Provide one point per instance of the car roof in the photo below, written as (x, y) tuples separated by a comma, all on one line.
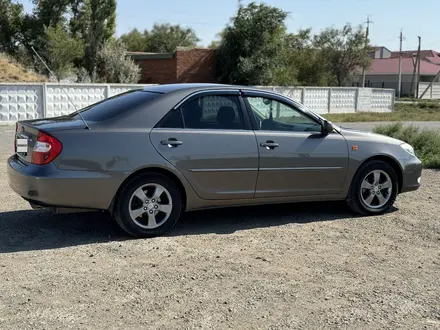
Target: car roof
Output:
[(168, 88)]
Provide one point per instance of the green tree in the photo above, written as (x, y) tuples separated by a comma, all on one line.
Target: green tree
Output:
[(62, 50), (11, 18), (165, 38), (100, 19), (344, 51), (135, 40), (303, 63), (252, 48), (46, 13), (117, 66), (50, 12)]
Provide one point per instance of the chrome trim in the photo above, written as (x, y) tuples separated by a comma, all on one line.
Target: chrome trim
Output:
[(299, 168), (198, 170)]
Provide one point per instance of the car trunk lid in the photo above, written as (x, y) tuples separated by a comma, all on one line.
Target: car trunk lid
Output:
[(27, 132)]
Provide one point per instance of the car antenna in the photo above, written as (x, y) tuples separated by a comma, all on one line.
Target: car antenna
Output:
[(50, 71)]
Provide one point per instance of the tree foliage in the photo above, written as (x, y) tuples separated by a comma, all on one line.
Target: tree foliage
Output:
[(303, 62), (62, 50), (252, 46), (166, 38), (254, 49), (162, 38), (82, 26), (135, 40), (100, 18), (344, 51), (117, 67), (11, 17)]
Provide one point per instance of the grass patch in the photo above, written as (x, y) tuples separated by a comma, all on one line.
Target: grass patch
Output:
[(426, 110), (426, 142)]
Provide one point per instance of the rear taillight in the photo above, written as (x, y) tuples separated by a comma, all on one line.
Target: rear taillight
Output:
[(46, 149), (15, 137)]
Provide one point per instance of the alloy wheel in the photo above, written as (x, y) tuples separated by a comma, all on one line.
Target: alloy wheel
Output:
[(376, 189), (150, 206)]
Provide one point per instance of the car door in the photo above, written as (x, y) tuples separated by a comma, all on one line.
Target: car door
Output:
[(296, 159), (209, 139)]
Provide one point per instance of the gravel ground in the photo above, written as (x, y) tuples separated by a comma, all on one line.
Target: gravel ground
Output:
[(275, 267)]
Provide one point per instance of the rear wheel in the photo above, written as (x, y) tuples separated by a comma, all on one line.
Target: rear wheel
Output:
[(374, 188), (148, 206)]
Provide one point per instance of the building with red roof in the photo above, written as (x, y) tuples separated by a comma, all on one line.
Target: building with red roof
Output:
[(384, 69)]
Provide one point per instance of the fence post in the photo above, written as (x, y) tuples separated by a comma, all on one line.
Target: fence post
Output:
[(303, 95), (44, 101), (393, 101), (356, 100), (329, 100), (107, 91)]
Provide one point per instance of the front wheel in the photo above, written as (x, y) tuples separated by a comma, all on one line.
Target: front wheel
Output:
[(148, 206), (374, 188)]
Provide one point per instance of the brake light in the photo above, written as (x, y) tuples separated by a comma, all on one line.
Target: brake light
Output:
[(46, 149), (15, 138)]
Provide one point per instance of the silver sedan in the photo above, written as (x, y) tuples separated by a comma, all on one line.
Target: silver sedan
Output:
[(148, 155)]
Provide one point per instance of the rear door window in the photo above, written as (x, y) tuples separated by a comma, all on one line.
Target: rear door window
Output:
[(214, 112), (116, 105)]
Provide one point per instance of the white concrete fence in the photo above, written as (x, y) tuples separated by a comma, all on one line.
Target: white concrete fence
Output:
[(432, 93), (40, 100)]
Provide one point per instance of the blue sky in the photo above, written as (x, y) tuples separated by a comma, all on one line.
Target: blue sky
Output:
[(416, 18)]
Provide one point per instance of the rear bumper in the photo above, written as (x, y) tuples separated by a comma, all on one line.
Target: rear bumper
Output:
[(47, 185), (411, 174)]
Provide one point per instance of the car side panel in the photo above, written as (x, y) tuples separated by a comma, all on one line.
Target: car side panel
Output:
[(54, 187), (113, 153), (371, 145), (302, 164), (219, 164)]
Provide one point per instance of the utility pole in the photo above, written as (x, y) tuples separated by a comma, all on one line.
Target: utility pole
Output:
[(412, 89), (418, 65), (366, 45), (399, 87)]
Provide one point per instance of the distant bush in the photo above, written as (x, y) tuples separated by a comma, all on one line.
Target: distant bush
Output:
[(118, 67), (426, 142)]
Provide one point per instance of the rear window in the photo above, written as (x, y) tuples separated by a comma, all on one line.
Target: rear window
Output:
[(115, 105)]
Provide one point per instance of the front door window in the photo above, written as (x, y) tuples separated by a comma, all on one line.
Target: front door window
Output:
[(272, 115)]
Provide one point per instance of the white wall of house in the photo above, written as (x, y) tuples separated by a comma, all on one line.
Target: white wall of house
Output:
[(380, 52)]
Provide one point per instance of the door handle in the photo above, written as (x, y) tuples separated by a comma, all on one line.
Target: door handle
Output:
[(171, 143), (269, 144)]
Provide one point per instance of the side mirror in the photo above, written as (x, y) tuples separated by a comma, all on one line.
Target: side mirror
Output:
[(327, 127)]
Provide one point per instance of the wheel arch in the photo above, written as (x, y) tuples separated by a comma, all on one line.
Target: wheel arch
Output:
[(390, 161), (153, 170)]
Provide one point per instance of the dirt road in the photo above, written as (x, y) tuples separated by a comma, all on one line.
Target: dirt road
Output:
[(305, 266)]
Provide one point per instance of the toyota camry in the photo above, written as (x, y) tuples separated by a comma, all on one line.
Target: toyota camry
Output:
[(148, 155)]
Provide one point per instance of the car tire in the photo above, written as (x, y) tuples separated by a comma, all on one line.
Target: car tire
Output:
[(138, 203), (368, 196)]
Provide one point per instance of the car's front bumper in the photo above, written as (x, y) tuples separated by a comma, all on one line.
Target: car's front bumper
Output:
[(411, 174), (49, 186)]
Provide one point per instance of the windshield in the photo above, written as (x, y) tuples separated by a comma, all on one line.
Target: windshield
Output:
[(115, 105)]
